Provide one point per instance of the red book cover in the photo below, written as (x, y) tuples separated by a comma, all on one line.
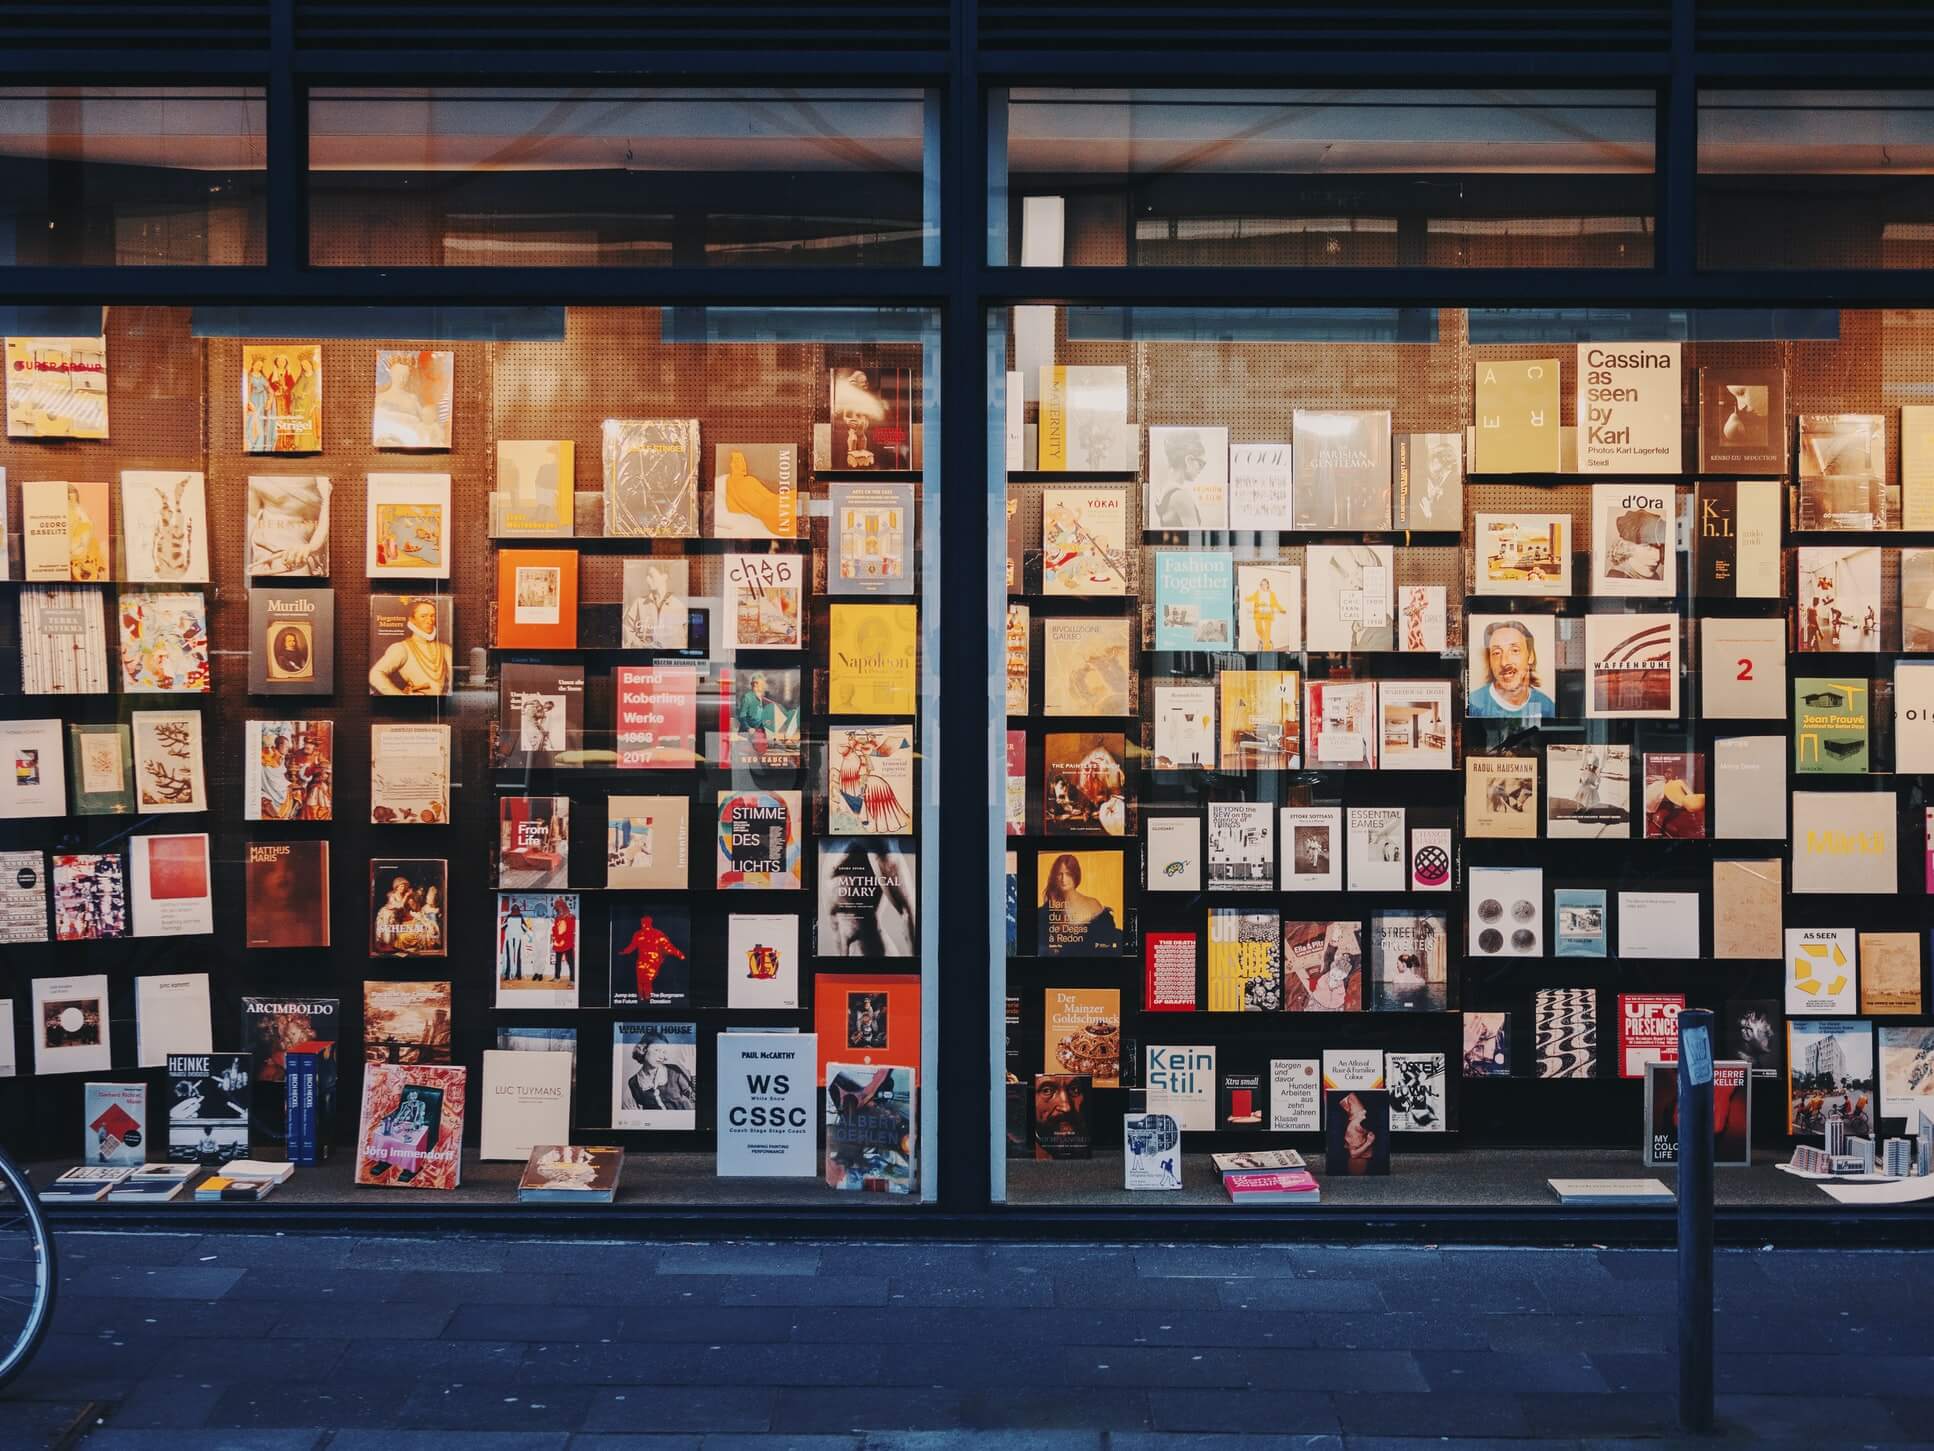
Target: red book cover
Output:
[(411, 1129), (1648, 1031), (1169, 958), (177, 868), (537, 599), (1287, 1184), (657, 716), (867, 1019), (287, 889)]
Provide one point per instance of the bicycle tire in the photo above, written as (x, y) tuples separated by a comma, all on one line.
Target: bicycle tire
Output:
[(15, 1358)]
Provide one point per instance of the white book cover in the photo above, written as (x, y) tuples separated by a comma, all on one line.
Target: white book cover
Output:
[(1350, 591), (1312, 848), (164, 527), (1340, 723), (168, 884), (9, 1054), (1635, 540), (115, 1117), (1423, 619), (1015, 433), (767, 1101), (763, 602), (1295, 1095), (1822, 972), (1375, 860), (171, 1016), (1174, 853), (168, 774), (34, 781), (1414, 725), (761, 960), (1242, 846), (527, 1102), (1419, 1092), (1846, 842), (71, 1026), (1749, 788), (1837, 598), (1742, 669), (1151, 1151), (1430, 859), (1269, 608), (1259, 485), (409, 774), (1188, 478), (1658, 925), (1521, 554), (1507, 911), (1352, 1068), (1913, 716), (1588, 790), (1629, 408), (1184, 727), (408, 526), (1181, 1083), (1631, 667)]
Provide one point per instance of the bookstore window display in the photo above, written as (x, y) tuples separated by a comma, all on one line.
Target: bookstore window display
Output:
[(454, 765), (1399, 733)]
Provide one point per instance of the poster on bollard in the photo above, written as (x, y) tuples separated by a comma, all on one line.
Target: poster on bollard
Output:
[(767, 1097)]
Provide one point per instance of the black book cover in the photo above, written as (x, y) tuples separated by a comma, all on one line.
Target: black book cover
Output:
[(651, 954), (1357, 1131), (1243, 1104), (1742, 421), (1753, 1034), (208, 1108), (271, 1026), (291, 641)]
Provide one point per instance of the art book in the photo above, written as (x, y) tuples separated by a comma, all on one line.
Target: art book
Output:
[(164, 641), (1323, 967), (657, 716), (1014, 813), (870, 539), (1357, 1132), (1350, 597), (1742, 669), (527, 1101), (64, 532), (56, 387), (764, 602), (1564, 1024), (36, 786), (287, 893), (413, 407), (1185, 737), (761, 960), (1409, 954), (100, 769), (1507, 911), (1083, 784), (651, 478), (281, 397), (654, 1076), (1169, 972), (1173, 853), (208, 1108), (90, 897), (164, 527), (410, 645), (63, 641), (1487, 1045), (408, 526), (534, 842), (1242, 846), (1830, 726), (410, 1128), (292, 641), (657, 605), (1079, 906), (1846, 842), (1675, 796), (1579, 924), (1245, 973), (1843, 473), (537, 950), (1837, 599), (1342, 464), (755, 491), (1588, 790), (168, 881), (1890, 972), (536, 494), (116, 1115), (286, 532), (1634, 540), (867, 898), (1259, 486), (867, 1019), (1260, 725), (870, 1129), (1736, 539), (651, 955), (409, 907), (1312, 847), (1658, 925), (1413, 725), (1515, 402), (1084, 419), (1269, 608), (1749, 787), (1193, 599), (409, 774), (1522, 554), (1632, 666), (759, 718), (540, 715), (1746, 909), (873, 659), (1084, 548), (1086, 667), (168, 771), (537, 599), (289, 767), (647, 842), (1648, 1030), (1629, 408), (758, 840), (1188, 478), (1422, 612), (1019, 657), (1501, 796), (23, 897), (1375, 850), (873, 408), (1419, 1092), (1822, 966), (272, 1027), (1430, 481), (72, 1031), (1083, 1033), (1917, 466), (1829, 1074), (1742, 420), (406, 1022), (1341, 721)]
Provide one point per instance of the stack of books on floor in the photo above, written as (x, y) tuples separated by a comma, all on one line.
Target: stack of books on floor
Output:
[(1610, 1191), (571, 1174), (83, 1185), (242, 1181), (152, 1182), (1267, 1176)]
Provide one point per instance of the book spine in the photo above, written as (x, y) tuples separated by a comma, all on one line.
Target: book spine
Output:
[(299, 1074)]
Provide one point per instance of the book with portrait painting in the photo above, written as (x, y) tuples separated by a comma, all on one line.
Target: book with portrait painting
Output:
[(292, 641)]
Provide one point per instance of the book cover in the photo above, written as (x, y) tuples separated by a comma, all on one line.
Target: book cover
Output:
[(1916, 466), (1245, 960), (1193, 599), (1515, 403), (168, 880), (1084, 542), (537, 599), (537, 949), (755, 491), (1890, 972), (1083, 1034), (1259, 486), (1565, 1032), (291, 641), (1184, 728), (72, 1033), (764, 601), (286, 528), (1507, 911), (867, 898), (657, 604), (1188, 478), (287, 893), (1487, 1045), (90, 897), (1016, 547), (1632, 667), (409, 907), (164, 527), (651, 477), (1151, 1151), (651, 955), (63, 641), (1357, 1132), (1409, 954), (1753, 1034), (1658, 925), (1675, 796), (1830, 722), (208, 1108), (65, 532), (1906, 1054), (281, 397), (1648, 1030), (56, 387), (1742, 420), (1079, 907), (1312, 847), (409, 774), (1168, 972), (654, 1076), (1822, 968), (36, 786), (164, 641), (271, 1028), (1843, 473), (872, 662), (1913, 716), (116, 1115), (1749, 788), (761, 960), (1742, 669), (411, 650), (1350, 597), (1260, 722), (1015, 806), (870, 1130), (1295, 1105), (1413, 725), (410, 1127), (1736, 539), (1521, 554), (1084, 419), (1837, 599), (647, 842), (168, 770), (1341, 721), (1242, 1102), (406, 1022), (1501, 796), (1846, 842), (1086, 667), (1269, 608), (100, 770), (766, 1096), (1173, 853), (1430, 481), (1083, 783), (1746, 909), (1430, 858), (1323, 967), (873, 409), (1242, 846), (657, 715), (759, 718), (1375, 849), (758, 840), (1829, 1074), (866, 1019), (1629, 400), (1419, 1092), (289, 770), (526, 1102), (1342, 468), (1019, 654), (540, 713), (1634, 541), (536, 494), (1181, 1082), (23, 897), (1578, 922), (1732, 1115), (408, 526), (870, 539), (533, 842)]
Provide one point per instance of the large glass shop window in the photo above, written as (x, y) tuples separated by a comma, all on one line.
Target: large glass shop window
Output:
[(456, 764), (1406, 714)]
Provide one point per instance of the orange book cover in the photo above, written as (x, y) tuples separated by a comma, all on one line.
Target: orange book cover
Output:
[(867, 1018), (537, 599)]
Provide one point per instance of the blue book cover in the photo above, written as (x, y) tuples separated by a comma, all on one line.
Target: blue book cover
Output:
[(1195, 600), (1580, 922)]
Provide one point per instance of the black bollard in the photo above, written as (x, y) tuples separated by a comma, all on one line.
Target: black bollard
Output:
[(1695, 1219)]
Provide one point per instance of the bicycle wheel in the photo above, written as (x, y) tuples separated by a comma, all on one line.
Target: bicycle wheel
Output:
[(27, 1271)]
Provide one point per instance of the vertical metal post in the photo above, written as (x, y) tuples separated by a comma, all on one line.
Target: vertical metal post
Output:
[(1695, 1219)]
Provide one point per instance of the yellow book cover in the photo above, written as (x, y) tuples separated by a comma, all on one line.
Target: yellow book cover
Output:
[(1260, 727), (1517, 417), (1083, 1033), (57, 387), (1501, 796), (1890, 972), (873, 665), (536, 487), (1245, 961), (281, 397), (1079, 903), (1085, 667), (1917, 466), (1746, 909), (1054, 422)]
